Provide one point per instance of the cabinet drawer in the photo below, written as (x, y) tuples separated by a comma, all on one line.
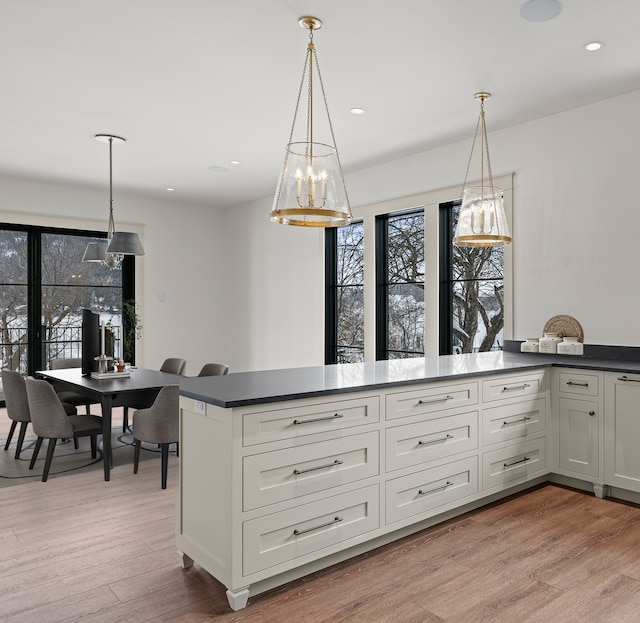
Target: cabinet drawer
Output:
[(429, 490), (514, 420), (431, 399), (300, 421), (288, 474), (503, 387), (514, 464), (579, 383), (413, 444), (288, 536)]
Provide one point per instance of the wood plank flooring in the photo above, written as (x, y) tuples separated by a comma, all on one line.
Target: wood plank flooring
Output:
[(80, 549)]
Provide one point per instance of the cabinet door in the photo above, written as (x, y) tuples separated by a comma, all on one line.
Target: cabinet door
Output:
[(578, 444), (622, 431)]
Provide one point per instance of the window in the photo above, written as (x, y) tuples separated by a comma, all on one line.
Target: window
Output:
[(344, 320), (400, 279), (44, 285), (396, 287), (471, 292)]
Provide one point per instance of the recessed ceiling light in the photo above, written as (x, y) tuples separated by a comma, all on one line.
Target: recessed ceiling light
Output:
[(357, 111), (216, 168), (171, 189), (540, 10), (593, 46), (234, 161)]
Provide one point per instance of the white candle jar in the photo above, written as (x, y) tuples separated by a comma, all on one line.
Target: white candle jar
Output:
[(549, 343), (530, 345), (570, 346)]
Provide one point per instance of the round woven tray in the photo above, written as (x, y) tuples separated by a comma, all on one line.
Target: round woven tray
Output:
[(564, 326)]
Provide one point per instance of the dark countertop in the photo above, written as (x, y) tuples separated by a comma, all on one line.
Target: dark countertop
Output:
[(248, 388)]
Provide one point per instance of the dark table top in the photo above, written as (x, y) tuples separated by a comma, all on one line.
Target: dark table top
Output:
[(247, 388)]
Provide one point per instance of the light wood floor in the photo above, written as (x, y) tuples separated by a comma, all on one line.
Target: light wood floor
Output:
[(79, 549)]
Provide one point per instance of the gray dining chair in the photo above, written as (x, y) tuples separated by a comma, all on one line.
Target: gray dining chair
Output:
[(214, 369), (173, 365), (158, 425), (66, 395), (50, 421), (15, 398)]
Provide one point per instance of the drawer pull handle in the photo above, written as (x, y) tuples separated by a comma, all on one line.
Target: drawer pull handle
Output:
[(523, 386), (577, 384), (444, 486), (434, 400), (335, 416), (626, 378), (426, 443), (524, 419), (297, 472), (336, 519), (526, 458)]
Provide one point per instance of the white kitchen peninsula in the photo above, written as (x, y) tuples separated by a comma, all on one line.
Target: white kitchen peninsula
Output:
[(284, 472)]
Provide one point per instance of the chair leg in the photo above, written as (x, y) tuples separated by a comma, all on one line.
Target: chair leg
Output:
[(47, 463), (75, 442), (125, 419), (36, 450), (94, 446), (177, 448), (11, 431), (164, 463), (136, 455), (21, 434), (88, 408)]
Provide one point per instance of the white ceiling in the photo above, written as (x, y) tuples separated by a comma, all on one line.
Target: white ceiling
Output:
[(196, 83)]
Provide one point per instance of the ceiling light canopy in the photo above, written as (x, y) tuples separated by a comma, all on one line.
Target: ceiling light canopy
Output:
[(311, 191), (540, 10), (118, 244), (482, 221)]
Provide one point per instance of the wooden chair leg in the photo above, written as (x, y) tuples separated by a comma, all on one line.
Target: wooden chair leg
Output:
[(136, 455), (164, 463), (21, 434), (94, 446), (11, 431), (36, 450), (125, 419), (47, 463), (75, 442)]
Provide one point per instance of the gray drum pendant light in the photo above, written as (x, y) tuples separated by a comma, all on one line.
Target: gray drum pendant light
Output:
[(482, 221), (118, 244), (311, 191)]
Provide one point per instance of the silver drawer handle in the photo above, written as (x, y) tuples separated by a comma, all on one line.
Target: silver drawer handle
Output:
[(626, 378), (523, 386), (426, 443), (313, 469), (526, 458), (577, 384), (524, 419), (448, 484), (336, 519), (434, 400), (335, 416)]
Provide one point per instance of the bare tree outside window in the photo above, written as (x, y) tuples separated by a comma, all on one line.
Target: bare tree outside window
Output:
[(477, 296), (350, 293), (405, 285)]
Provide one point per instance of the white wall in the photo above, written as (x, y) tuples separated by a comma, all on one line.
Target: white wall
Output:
[(576, 224), (245, 291), (184, 263)]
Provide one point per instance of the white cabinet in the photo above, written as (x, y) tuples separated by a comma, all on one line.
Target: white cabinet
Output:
[(622, 431), (268, 491), (578, 426)]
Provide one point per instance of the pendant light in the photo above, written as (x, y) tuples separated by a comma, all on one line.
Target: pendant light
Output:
[(482, 221), (118, 244), (311, 191)]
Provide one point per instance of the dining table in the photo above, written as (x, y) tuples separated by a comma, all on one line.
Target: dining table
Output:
[(139, 388)]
